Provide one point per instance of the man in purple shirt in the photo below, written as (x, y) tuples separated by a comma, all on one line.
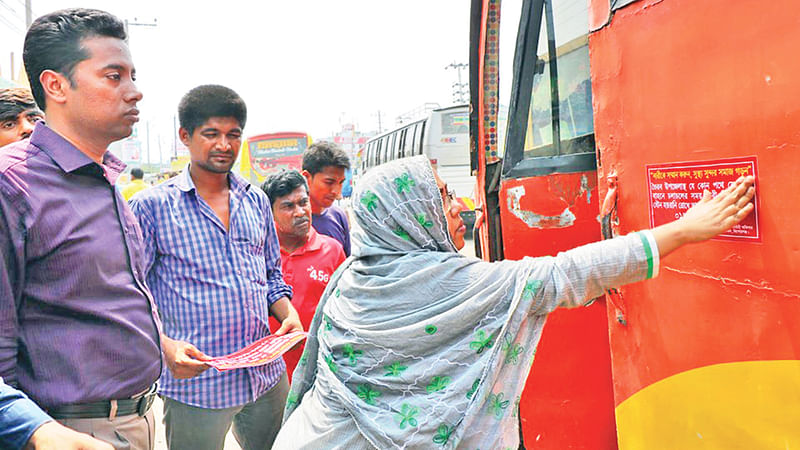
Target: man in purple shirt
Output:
[(78, 330), (324, 165)]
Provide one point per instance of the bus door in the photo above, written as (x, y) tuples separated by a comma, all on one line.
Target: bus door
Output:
[(533, 148), (689, 95)]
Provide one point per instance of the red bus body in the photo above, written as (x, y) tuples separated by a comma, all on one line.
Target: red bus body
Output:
[(705, 355)]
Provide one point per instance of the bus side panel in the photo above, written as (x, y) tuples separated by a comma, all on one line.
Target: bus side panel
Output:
[(568, 399), (709, 356)]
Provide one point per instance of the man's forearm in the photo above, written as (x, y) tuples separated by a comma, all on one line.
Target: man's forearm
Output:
[(281, 309)]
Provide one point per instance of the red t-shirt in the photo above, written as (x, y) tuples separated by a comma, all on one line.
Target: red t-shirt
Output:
[(307, 270)]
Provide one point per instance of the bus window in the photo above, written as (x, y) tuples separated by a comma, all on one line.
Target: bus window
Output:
[(564, 32), (401, 142), (418, 135), (384, 150), (370, 155), (511, 11), (408, 148), (393, 146), (455, 123), (410, 140)]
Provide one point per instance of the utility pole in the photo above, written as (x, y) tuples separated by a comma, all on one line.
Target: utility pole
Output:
[(28, 14), (150, 24), (459, 89)]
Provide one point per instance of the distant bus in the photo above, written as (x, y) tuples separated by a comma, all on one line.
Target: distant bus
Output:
[(443, 137), (267, 153)]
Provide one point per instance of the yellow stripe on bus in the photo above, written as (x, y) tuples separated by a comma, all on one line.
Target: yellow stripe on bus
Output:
[(739, 405)]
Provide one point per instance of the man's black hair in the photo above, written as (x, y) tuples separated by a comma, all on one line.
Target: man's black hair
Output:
[(207, 101), (137, 173), (324, 154), (14, 101), (283, 183), (55, 42)]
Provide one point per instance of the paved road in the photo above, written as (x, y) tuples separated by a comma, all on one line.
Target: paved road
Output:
[(230, 441)]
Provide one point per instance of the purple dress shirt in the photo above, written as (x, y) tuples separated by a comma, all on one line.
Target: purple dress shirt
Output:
[(77, 323)]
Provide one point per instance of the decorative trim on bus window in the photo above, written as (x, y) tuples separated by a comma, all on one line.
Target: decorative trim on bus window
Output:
[(491, 82)]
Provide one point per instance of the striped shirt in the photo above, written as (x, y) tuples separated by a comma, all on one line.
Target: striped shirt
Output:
[(213, 286)]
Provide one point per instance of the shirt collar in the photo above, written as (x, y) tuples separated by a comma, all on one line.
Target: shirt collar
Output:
[(313, 243), (184, 182), (68, 157)]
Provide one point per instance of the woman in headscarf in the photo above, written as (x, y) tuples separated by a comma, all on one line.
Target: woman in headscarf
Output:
[(416, 346)]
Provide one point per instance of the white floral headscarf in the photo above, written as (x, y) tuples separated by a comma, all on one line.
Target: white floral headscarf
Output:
[(422, 346)]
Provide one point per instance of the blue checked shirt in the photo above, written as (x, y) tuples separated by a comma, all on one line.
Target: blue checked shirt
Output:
[(213, 287)]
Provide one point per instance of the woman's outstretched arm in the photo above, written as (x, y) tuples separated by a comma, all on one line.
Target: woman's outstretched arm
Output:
[(573, 277)]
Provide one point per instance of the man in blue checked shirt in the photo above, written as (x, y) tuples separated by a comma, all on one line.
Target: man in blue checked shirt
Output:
[(213, 265)]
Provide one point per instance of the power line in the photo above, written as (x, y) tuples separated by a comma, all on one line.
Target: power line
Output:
[(8, 22), (2, 2), (11, 25)]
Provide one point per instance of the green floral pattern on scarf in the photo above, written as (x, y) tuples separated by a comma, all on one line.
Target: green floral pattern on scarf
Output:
[(407, 415), (366, 393), (351, 354), (497, 405), (423, 221), (437, 384), (394, 369), (482, 341), (404, 183), (443, 434), (369, 200)]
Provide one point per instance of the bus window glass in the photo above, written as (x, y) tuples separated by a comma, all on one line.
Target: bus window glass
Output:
[(418, 138), (408, 137), (401, 146), (575, 92), (455, 122), (390, 155), (509, 26), (570, 23), (384, 150), (395, 153)]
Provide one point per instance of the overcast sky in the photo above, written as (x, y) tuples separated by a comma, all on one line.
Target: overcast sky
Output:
[(301, 65)]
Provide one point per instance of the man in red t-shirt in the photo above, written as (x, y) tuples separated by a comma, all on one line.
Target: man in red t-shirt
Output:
[(308, 259)]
